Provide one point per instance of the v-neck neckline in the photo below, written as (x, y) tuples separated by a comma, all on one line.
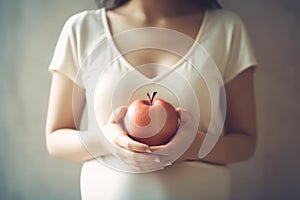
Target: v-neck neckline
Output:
[(108, 34)]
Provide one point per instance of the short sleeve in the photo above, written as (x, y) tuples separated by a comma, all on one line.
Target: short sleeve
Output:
[(65, 57), (241, 55)]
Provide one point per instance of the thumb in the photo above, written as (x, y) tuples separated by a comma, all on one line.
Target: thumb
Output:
[(185, 115), (117, 114)]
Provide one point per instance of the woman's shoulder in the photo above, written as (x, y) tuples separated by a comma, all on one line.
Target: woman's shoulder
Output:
[(85, 19), (225, 17), (85, 30)]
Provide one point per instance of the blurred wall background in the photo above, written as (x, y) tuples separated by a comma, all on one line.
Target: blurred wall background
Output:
[(28, 33)]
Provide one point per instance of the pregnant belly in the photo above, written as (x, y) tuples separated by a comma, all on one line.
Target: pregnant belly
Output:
[(186, 180)]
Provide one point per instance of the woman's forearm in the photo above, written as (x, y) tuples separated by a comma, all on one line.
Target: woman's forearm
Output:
[(74, 145), (230, 148)]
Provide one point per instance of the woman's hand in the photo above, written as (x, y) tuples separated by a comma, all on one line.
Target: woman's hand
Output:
[(133, 153), (178, 145)]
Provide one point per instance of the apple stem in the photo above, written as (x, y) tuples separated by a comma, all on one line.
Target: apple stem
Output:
[(151, 98)]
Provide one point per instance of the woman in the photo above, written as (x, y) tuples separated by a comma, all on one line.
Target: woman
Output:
[(90, 39)]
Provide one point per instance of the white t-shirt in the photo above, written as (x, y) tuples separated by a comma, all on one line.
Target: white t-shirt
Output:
[(86, 54)]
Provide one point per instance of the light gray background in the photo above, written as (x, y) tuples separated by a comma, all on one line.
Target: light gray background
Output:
[(28, 33)]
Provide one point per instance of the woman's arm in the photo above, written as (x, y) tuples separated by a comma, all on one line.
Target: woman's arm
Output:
[(239, 140), (63, 139)]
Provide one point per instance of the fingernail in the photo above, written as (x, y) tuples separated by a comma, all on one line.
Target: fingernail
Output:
[(148, 151), (156, 160), (168, 163)]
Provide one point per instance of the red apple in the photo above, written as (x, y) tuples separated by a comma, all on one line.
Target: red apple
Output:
[(152, 121)]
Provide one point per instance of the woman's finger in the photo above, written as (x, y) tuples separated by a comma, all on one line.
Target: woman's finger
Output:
[(128, 143), (185, 116), (178, 110), (181, 140), (137, 157), (156, 148), (152, 167), (118, 114), (144, 163)]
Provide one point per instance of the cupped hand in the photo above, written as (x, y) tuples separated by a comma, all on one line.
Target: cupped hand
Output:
[(181, 141), (133, 153)]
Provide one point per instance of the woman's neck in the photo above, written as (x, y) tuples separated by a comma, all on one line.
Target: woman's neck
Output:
[(155, 9)]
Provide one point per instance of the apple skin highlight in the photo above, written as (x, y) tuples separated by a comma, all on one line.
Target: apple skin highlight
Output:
[(152, 122)]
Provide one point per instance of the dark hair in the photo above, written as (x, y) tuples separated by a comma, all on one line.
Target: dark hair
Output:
[(109, 4)]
